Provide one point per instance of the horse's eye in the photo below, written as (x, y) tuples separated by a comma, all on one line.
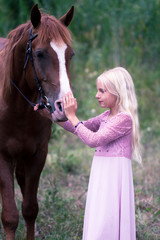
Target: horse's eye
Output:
[(39, 55)]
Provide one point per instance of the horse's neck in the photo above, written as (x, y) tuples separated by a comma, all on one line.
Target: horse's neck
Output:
[(17, 98)]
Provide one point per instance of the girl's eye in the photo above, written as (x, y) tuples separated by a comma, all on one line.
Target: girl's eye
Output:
[(102, 91)]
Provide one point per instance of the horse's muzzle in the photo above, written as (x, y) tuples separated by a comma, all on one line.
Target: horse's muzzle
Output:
[(59, 105), (59, 115)]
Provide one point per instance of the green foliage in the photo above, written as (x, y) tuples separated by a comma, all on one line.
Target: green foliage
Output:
[(13, 13)]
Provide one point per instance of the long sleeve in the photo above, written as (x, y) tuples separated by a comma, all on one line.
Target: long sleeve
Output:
[(92, 124), (118, 126)]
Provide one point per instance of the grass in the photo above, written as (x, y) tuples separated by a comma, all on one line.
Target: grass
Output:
[(63, 188), (147, 190)]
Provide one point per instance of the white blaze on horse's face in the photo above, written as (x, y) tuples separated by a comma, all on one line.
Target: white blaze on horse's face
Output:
[(60, 50)]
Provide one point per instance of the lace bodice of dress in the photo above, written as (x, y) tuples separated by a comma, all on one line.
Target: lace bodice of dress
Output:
[(110, 137)]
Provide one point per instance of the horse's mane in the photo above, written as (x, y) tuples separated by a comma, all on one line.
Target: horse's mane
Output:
[(50, 28)]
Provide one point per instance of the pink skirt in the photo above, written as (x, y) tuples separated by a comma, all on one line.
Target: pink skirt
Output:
[(110, 210)]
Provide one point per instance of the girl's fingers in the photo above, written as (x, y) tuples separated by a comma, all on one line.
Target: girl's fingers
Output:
[(75, 102), (69, 100), (64, 100)]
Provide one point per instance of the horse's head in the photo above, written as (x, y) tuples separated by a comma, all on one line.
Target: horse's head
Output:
[(51, 52)]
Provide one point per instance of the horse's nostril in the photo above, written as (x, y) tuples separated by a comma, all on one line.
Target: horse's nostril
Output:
[(59, 106)]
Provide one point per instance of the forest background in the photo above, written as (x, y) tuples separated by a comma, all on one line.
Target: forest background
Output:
[(106, 33)]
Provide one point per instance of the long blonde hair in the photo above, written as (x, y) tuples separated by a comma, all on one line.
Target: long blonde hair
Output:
[(119, 82)]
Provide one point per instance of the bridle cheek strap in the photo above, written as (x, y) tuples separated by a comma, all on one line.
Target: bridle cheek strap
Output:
[(44, 103), (41, 103)]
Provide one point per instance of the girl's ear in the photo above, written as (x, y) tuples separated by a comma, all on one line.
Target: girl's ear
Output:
[(35, 16), (67, 18)]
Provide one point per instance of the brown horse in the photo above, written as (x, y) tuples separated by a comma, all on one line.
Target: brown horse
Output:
[(34, 64)]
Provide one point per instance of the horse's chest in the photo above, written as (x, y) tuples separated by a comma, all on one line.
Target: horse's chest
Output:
[(20, 138), (18, 148)]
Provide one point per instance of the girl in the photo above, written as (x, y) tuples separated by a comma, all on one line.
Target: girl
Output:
[(110, 211)]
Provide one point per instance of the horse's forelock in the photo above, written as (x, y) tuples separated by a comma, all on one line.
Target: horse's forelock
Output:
[(52, 29)]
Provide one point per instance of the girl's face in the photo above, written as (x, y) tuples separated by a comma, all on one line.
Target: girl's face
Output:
[(105, 98)]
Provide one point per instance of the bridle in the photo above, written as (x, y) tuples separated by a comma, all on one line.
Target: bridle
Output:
[(42, 100)]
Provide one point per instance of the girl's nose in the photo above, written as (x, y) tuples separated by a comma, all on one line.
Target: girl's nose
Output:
[(97, 95)]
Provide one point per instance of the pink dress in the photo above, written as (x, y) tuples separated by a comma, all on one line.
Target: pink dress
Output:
[(110, 211)]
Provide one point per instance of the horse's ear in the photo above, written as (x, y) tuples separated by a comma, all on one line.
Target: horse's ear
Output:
[(35, 16), (67, 18)]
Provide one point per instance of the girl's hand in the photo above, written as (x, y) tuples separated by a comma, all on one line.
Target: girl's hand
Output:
[(70, 105)]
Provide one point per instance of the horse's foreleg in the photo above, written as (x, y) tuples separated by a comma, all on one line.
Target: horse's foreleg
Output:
[(29, 187), (9, 214), (30, 205)]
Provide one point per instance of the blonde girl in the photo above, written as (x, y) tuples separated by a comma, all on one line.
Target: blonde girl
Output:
[(110, 210)]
